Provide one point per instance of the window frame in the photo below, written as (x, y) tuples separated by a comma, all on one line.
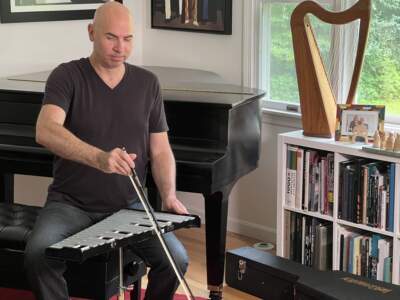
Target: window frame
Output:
[(256, 65), (265, 55)]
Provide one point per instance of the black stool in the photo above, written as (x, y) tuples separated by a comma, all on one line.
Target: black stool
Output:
[(97, 278)]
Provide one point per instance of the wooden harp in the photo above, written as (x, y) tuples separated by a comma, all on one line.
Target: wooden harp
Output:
[(317, 101)]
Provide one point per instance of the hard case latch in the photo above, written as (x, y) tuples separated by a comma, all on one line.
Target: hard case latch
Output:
[(241, 269)]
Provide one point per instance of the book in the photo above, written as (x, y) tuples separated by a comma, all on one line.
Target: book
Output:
[(357, 255), (303, 239), (374, 256), (364, 172), (298, 233), (306, 180), (341, 252), (291, 174), (323, 203), (292, 236), (390, 216), (383, 212), (330, 182), (287, 231), (323, 247), (383, 253), (314, 186), (387, 269), (299, 177)]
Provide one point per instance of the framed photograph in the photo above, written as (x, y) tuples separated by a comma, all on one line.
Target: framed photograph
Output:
[(211, 16), (358, 119), (12, 11)]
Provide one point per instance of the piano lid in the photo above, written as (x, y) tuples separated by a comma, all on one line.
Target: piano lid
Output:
[(178, 84)]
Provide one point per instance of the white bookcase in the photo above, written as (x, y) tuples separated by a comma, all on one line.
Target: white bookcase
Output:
[(342, 151)]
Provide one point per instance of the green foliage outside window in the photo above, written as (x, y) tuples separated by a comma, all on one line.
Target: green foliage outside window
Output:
[(283, 80), (380, 79), (283, 70)]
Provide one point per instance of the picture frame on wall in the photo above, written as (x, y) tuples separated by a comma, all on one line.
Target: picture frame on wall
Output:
[(357, 119), (13, 11), (208, 16)]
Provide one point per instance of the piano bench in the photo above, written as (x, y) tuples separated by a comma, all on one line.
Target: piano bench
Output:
[(97, 278)]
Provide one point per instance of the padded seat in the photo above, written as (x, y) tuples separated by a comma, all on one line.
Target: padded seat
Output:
[(16, 223), (97, 278)]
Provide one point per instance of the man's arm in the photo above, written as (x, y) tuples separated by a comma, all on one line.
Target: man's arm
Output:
[(164, 171), (51, 133)]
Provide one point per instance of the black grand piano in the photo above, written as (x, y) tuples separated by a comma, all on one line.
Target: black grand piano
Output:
[(214, 133)]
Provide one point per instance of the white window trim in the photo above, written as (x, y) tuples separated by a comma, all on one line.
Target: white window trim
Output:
[(255, 55), (251, 45)]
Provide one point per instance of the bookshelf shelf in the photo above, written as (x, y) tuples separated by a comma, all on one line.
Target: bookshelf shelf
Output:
[(288, 202), (365, 228), (310, 213)]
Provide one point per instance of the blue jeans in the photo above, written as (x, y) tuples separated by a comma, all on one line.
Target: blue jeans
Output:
[(57, 221)]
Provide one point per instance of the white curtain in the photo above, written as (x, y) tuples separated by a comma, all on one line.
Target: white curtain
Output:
[(342, 53), (167, 9)]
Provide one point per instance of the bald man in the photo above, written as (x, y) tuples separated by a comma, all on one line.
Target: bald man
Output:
[(93, 107)]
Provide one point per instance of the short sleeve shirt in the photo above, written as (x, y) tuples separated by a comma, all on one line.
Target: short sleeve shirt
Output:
[(106, 118)]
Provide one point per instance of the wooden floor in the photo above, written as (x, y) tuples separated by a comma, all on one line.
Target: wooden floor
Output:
[(194, 241)]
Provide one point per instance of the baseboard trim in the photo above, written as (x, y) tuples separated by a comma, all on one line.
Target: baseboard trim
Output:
[(249, 229)]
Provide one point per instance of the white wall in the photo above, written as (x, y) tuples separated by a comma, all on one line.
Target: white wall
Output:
[(212, 52), (33, 47), (38, 46)]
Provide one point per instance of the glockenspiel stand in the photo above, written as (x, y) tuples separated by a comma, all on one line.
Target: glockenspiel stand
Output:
[(130, 269)]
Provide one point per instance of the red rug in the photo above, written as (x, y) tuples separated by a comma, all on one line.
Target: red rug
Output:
[(11, 294)]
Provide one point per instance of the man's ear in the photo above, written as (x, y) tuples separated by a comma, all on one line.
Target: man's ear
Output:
[(91, 32)]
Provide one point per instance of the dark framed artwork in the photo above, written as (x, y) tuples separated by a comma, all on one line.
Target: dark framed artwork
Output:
[(211, 16), (12, 11)]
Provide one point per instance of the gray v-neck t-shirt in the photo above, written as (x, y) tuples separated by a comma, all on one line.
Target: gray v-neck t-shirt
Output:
[(106, 118)]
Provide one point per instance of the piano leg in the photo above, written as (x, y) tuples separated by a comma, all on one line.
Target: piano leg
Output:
[(7, 188), (216, 209)]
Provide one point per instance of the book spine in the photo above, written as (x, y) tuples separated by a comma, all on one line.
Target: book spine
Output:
[(391, 196), (287, 234), (330, 182), (291, 170), (306, 180), (364, 194), (299, 177), (387, 269)]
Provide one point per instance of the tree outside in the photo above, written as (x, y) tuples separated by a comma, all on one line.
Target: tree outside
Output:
[(380, 77)]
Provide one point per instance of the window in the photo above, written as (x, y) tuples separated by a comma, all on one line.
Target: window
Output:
[(380, 77)]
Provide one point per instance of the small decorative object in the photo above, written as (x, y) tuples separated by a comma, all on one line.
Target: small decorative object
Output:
[(264, 246), (396, 147), (317, 102), (377, 139), (389, 143), (383, 138), (209, 16), (359, 122), (47, 10)]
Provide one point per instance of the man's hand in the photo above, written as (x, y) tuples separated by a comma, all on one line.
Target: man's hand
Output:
[(172, 204), (116, 161)]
